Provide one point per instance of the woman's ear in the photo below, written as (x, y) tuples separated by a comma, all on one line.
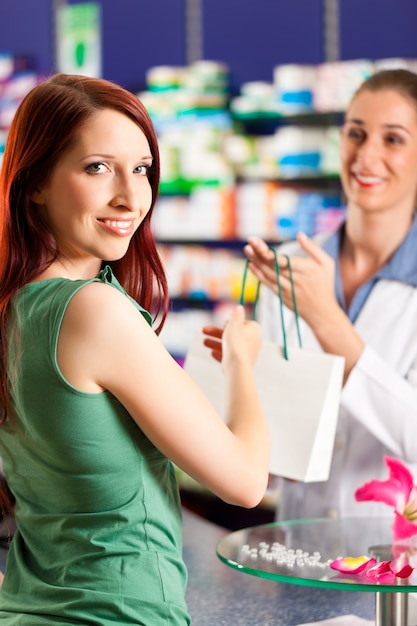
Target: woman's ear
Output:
[(37, 197)]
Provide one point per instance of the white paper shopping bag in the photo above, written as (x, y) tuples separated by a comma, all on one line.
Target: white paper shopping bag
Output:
[(299, 391), (300, 398)]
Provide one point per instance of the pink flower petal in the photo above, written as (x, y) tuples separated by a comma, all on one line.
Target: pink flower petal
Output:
[(385, 571), (395, 491), (404, 555), (351, 564), (381, 572), (398, 471), (402, 528), (405, 572), (379, 491)]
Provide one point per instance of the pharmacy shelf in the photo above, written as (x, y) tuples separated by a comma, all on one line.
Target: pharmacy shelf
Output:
[(204, 283), (265, 122)]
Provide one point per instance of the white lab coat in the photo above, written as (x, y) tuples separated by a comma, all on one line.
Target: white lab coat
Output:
[(378, 407)]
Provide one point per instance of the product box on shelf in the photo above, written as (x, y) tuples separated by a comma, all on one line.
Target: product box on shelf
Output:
[(17, 78), (337, 82), (294, 87)]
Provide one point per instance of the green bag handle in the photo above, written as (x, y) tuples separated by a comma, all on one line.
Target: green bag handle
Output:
[(281, 306)]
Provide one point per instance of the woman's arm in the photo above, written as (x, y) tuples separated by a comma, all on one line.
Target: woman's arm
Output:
[(106, 344), (384, 402)]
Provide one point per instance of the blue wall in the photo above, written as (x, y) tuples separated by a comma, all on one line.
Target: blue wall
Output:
[(136, 34), (26, 28), (251, 37), (378, 28)]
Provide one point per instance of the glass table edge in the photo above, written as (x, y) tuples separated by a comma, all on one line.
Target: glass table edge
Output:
[(350, 585)]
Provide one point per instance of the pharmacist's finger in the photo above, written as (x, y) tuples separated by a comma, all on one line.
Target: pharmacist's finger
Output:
[(267, 275), (256, 248), (259, 253), (312, 249)]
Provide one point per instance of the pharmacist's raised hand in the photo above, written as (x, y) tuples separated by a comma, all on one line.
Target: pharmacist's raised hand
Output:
[(239, 339), (262, 262), (313, 278)]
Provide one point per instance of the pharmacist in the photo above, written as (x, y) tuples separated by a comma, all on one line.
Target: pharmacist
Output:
[(357, 297)]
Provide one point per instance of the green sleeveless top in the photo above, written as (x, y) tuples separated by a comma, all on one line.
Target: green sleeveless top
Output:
[(99, 530)]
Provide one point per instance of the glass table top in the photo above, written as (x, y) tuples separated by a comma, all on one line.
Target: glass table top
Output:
[(300, 551)]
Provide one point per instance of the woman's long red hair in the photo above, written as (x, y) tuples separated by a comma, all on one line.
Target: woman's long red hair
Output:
[(44, 127)]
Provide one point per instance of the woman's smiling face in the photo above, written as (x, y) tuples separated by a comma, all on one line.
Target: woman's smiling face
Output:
[(99, 192), (379, 151)]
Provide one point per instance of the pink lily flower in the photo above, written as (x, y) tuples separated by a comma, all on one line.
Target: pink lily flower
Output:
[(400, 492)]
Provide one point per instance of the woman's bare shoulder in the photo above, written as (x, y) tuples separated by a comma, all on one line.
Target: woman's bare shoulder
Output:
[(101, 328), (99, 309), (100, 300)]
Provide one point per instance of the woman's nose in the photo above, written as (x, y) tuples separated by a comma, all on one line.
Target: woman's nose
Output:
[(127, 195), (368, 153)]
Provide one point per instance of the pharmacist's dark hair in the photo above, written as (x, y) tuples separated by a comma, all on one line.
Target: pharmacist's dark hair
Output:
[(45, 126), (401, 80)]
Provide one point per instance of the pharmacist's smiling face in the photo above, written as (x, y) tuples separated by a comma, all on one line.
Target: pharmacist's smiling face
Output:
[(99, 192), (379, 152)]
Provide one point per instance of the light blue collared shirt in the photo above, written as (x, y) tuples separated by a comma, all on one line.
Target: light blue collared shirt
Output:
[(402, 266)]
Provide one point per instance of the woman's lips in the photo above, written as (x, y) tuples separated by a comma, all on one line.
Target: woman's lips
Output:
[(367, 180), (119, 227)]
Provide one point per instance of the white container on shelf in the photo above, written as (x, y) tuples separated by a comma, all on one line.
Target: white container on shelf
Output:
[(163, 77), (298, 150), (6, 65), (330, 153), (336, 83), (254, 208), (294, 86), (285, 213), (396, 63), (258, 96)]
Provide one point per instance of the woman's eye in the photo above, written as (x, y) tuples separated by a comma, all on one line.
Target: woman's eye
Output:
[(95, 168), (356, 134), (142, 170), (394, 139)]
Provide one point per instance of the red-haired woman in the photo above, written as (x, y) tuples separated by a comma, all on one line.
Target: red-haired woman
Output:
[(94, 408)]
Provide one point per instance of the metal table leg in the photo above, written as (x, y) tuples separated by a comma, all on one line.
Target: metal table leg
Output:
[(391, 609)]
